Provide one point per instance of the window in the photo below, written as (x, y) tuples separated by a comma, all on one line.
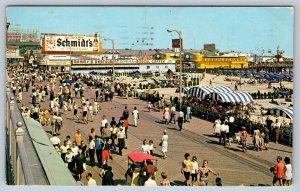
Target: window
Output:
[(148, 67)]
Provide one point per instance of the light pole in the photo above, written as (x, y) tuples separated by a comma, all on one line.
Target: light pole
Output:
[(180, 64), (113, 52)]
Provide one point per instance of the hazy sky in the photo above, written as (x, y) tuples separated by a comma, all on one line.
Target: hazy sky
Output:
[(230, 28)]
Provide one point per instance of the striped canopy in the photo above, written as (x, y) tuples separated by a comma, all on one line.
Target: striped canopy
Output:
[(231, 97), (202, 91), (185, 90), (283, 112)]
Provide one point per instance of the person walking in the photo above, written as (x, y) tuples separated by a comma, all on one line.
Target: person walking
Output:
[(204, 171), (92, 151), (125, 113), (194, 172), (77, 137), (164, 144), (99, 146), (145, 147), (108, 177), (180, 120), (186, 169), (166, 115), (243, 137), (173, 114), (103, 122), (79, 161), (84, 113), (105, 152), (188, 113), (278, 171), (136, 116), (113, 136), (121, 139), (288, 172), (75, 111)]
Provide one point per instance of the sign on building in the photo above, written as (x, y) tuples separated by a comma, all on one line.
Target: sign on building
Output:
[(176, 43), (71, 44), (210, 47)]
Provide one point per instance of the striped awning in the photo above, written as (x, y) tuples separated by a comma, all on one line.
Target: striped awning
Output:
[(231, 97), (202, 91), (282, 112), (185, 90)]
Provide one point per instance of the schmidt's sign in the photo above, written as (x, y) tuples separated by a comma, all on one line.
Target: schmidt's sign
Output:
[(71, 44)]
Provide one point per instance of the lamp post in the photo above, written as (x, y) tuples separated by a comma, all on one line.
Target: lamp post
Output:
[(180, 64), (113, 52)]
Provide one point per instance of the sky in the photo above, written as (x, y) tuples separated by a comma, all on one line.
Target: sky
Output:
[(241, 29)]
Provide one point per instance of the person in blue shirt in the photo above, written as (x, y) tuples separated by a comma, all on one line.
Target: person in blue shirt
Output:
[(99, 145)]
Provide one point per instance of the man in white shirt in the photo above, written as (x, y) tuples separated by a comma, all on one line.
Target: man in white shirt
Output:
[(180, 120), (74, 149), (136, 116), (103, 122), (91, 181)]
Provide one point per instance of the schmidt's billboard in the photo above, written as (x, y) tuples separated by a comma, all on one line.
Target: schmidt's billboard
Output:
[(71, 44)]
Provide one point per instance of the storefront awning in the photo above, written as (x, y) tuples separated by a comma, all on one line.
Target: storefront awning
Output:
[(202, 91), (283, 112), (232, 97)]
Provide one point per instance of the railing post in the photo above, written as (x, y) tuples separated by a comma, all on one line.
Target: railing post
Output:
[(19, 132), (19, 138)]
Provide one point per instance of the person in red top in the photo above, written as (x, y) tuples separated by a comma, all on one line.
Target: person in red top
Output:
[(126, 124), (278, 170)]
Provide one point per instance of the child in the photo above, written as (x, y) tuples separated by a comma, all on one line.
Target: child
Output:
[(151, 147), (164, 182)]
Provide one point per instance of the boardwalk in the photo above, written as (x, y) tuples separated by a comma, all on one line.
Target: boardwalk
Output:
[(235, 167)]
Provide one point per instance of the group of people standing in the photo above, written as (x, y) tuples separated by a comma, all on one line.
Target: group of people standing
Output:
[(193, 174)]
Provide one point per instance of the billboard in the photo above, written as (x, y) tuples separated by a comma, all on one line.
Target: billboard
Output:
[(210, 47), (71, 44), (13, 37), (176, 43)]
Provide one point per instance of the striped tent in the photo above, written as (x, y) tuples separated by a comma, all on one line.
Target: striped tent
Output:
[(283, 112), (185, 90), (202, 91), (231, 97)]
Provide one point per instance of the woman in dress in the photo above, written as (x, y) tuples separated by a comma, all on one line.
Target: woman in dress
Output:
[(105, 152), (164, 144), (204, 171), (166, 115), (288, 172)]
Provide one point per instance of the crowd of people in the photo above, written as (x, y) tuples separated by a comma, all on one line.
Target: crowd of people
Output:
[(113, 134)]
